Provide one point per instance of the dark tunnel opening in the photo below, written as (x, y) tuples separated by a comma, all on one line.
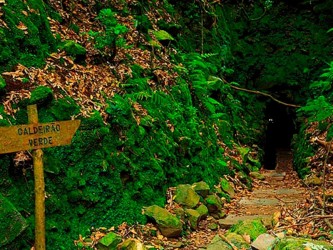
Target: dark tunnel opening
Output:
[(280, 129)]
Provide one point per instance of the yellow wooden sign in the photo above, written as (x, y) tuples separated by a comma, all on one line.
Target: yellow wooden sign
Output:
[(38, 135)]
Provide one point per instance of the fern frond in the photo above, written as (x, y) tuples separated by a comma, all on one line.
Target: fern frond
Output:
[(207, 55)]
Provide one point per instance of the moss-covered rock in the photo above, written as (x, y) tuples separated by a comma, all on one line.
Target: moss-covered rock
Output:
[(41, 95), (203, 211), (193, 217), (201, 188), (185, 195), (131, 244), (226, 187), (238, 241), (180, 213), (167, 223), (218, 244), (109, 242), (12, 224), (290, 243), (257, 175), (250, 227), (213, 203)]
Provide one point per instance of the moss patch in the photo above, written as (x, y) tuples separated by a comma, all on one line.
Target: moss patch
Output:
[(250, 227), (41, 95)]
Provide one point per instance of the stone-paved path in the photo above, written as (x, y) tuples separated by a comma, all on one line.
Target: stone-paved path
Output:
[(281, 188)]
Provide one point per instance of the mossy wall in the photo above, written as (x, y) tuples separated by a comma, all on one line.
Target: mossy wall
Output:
[(27, 38)]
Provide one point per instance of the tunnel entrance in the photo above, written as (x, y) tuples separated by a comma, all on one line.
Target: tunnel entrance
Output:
[(280, 129)]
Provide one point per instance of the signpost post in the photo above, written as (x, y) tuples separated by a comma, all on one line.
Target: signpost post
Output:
[(35, 136)]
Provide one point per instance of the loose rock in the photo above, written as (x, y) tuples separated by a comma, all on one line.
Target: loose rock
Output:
[(201, 188), (167, 223), (185, 195), (264, 242)]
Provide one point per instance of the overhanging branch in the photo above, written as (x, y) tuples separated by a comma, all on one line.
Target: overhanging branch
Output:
[(264, 94)]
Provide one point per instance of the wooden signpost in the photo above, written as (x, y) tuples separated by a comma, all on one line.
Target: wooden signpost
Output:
[(35, 136)]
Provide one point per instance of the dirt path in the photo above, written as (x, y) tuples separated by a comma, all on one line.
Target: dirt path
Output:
[(281, 188)]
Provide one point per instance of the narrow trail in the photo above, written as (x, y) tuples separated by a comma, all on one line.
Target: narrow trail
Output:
[(280, 188)]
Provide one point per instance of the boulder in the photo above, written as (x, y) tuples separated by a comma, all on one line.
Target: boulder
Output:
[(109, 242), (250, 227), (264, 242), (185, 195), (12, 223), (167, 223), (226, 187), (132, 244), (201, 188), (193, 217)]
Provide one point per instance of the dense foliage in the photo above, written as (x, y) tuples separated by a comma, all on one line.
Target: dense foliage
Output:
[(154, 134)]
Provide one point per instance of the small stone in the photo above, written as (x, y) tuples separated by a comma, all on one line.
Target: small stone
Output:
[(281, 235), (264, 242), (213, 226), (201, 188), (185, 195), (219, 215)]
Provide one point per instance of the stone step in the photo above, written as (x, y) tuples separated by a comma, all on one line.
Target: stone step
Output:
[(233, 219)]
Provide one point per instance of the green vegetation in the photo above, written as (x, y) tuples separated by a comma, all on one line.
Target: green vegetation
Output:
[(184, 125)]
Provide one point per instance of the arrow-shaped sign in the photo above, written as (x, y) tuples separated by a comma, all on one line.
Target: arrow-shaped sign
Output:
[(34, 136)]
